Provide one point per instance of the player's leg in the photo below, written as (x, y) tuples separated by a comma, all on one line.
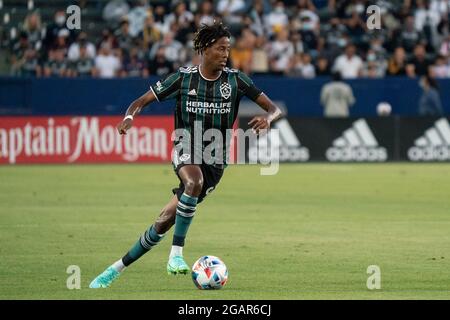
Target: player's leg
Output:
[(149, 239), (192, 181), (153, 235)]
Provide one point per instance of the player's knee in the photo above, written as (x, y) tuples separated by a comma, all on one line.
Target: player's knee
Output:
[(193, 186)]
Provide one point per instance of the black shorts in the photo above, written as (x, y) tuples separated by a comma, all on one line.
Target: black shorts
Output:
[(211, 177)]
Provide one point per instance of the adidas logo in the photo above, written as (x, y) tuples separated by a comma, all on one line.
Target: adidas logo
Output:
[(434, 144), (192, 93), (356, 144), (192, 69), (288, 145)]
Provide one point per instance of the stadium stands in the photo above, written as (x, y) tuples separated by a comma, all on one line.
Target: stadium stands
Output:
[(297, 38)]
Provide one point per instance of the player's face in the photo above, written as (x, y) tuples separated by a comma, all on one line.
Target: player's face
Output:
[(217, 54)]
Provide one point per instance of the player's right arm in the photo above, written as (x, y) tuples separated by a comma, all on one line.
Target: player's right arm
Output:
[(163, 90), (134, 109)]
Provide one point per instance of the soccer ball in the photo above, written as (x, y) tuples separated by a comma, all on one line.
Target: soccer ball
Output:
[(384, 109), (209, 272)]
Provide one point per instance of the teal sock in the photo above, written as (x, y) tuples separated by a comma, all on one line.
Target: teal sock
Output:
[(146, 242), (185, 213)]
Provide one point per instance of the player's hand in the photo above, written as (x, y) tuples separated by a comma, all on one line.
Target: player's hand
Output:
[(259, 123), (124, 126)]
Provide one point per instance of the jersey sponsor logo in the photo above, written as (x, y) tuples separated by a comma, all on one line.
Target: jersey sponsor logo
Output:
[(356, 144), (225, 90), (434, 144), (208, 107), (192, 93), (289, 145)]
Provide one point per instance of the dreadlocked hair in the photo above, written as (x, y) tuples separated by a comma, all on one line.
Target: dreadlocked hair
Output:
[(207, 35)]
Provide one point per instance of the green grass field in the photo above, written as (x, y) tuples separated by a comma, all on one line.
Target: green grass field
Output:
[(309, 232)]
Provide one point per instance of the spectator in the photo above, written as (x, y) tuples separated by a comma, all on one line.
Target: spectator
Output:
[(62, 41), (356, 29), (257, 16), (371, 70), (305, 20), (74, 49), (137, 17), (296, 39), (114, 10), (444, 50), (53, 30), (443, 30), (180, 22), (134, 66), (29, 65), (308, 34), (34, 30), (242, 53), (206, 13), (106, 63), (231, 11), (334, 39), (281, 52), (397, 63), (442, 7), (349, 65), (150, 33), (430, 102), (160, 65), (173, 49), (260, 59), (301, 66), (84, 65), (57, 65), (18, 52), (375, 66), (322, 66), (410, 36), (441, 68), (334, 33), (226, 7), (419, 63), (160, 18), (180, 16), (336, 97), (276, 20), (307, 15), (425, 15), (306, 5), (123, 36), (107, 38), (376, 45)]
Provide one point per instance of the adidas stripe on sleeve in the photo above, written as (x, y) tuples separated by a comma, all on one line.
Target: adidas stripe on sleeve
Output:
[(168, 88)]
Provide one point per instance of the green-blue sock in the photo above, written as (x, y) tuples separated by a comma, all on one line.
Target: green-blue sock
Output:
[(146, 242), (185, 213)]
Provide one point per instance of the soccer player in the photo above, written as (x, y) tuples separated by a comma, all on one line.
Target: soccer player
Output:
[(206, 96)]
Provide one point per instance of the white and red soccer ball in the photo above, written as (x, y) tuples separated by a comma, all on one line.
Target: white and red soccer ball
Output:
[(209, 272), (384, 109)]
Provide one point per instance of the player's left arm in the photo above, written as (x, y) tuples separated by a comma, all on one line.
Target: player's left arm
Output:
[(264, 121), (248, 88)]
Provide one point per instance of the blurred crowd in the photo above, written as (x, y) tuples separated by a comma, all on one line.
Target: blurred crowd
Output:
[(296, 38)]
